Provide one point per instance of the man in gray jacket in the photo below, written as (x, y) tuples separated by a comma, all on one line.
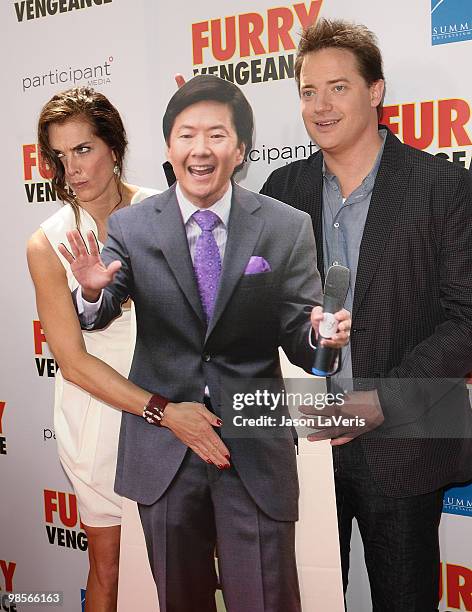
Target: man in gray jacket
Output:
[(220, 278)]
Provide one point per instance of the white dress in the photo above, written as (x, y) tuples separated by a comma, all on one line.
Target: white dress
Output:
[(86, 429)]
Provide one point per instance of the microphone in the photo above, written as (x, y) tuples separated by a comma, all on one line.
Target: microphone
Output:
[(335, 291)]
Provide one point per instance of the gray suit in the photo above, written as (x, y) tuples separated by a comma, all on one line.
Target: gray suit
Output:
[(177, 354)]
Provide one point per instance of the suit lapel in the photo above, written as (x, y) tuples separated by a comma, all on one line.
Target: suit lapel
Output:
[(387, 198), (243, 233), (309, 198), (173, 242)]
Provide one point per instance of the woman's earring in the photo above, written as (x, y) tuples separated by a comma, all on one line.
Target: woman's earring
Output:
[(116, 169)]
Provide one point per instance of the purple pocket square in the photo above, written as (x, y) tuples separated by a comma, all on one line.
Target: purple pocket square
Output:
[(256, 265)]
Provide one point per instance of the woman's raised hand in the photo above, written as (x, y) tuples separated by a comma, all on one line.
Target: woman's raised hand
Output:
[(87, 265)]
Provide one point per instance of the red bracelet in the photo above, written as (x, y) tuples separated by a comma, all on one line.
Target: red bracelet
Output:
[(154, 410)]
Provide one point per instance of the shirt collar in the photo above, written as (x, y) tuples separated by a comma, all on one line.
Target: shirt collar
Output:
[(221, 208)]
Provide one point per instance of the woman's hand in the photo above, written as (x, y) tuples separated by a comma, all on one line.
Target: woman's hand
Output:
[(194, 425), (87, 265)]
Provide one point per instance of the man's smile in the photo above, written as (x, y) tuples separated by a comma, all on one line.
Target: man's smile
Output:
[(201, 169)]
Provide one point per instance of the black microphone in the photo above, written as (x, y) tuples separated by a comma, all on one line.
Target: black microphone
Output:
[(335, 291)]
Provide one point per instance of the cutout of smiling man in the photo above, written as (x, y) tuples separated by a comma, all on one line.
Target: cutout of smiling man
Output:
[(220, 277)]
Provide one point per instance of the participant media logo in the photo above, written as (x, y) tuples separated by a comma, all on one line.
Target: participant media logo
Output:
[(48, 434), (217, 41), (63, 525), (451, 21), (458, 500), (93, 75), (3, 438)]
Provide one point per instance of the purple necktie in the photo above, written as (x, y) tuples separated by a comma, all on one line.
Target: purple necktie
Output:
[(207, 260)]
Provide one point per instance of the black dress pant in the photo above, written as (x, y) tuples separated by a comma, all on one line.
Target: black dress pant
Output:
[(400, 536)]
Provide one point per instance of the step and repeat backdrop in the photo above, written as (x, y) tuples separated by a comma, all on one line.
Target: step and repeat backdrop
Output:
[(130, 50)]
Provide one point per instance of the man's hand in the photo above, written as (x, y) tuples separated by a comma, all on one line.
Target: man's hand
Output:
[(361, 412), (87, 265), (193, 424), (341, 337)]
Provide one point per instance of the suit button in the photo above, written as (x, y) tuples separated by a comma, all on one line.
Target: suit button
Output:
[(206, 357)]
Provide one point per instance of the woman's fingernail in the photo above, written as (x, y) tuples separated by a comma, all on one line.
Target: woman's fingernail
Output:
[(219, 422)]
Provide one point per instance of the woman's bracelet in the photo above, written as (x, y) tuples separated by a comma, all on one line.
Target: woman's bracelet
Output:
[(153, 411)]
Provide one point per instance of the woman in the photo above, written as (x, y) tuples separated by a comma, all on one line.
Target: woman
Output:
[(83, 140)]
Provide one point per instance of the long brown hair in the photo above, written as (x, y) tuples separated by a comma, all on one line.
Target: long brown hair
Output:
[(105, 120)]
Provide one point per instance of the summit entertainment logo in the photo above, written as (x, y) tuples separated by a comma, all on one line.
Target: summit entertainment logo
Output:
[(451, 21), (458, 500)]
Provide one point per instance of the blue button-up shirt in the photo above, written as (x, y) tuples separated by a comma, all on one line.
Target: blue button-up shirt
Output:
[(343, 226)]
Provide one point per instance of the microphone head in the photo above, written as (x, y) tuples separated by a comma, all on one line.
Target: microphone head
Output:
[(336, 288)]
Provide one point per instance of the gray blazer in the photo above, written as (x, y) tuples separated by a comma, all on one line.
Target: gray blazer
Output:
[(177, 354)]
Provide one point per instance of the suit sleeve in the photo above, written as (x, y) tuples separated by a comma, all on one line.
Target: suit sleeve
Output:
[(121, 288), (445, 357), (300, 291)]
